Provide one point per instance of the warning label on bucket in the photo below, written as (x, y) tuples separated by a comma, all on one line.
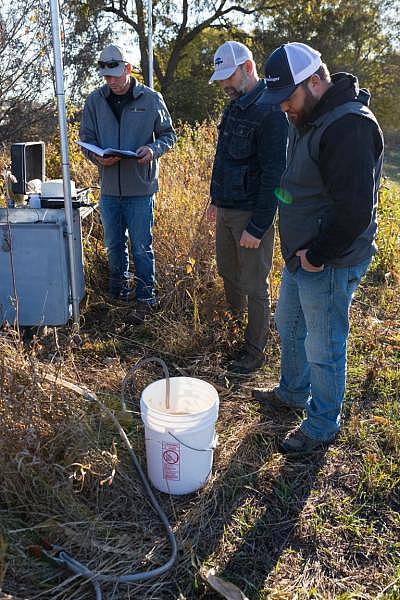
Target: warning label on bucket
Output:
[(171, 455)]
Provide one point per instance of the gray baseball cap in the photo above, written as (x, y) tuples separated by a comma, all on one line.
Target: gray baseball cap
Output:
[(112, 60)]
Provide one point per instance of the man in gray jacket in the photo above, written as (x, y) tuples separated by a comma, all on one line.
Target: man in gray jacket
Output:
[(123, 114), (327, 225)]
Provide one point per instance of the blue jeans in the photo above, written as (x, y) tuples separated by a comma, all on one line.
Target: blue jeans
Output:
[(312, 318), (123, 218)]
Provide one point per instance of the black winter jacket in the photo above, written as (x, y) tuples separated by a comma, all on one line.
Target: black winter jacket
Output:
[(250, 158)]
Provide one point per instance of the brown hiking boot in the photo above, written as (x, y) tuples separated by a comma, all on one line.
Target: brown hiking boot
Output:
[(247, 362), (269, 399), (142, 313), (298, 443)]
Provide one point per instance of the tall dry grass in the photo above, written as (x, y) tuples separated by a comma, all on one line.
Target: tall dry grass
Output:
[(325, 528)]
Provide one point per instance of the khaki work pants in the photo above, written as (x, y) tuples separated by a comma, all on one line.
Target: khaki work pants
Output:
[(245, 273)]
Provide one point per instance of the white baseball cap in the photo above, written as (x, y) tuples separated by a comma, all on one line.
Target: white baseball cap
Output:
[(287, 67), (227, 59)]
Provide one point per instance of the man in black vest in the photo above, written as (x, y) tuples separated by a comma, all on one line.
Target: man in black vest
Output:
[(248, 164), (327, 222)]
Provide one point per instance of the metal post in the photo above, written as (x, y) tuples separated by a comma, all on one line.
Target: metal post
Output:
[(62, 120), (150, 40)]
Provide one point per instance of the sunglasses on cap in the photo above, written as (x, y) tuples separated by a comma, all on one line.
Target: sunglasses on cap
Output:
[(111, 64)]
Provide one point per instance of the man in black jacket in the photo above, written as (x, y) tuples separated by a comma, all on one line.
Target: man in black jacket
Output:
[(249, 161), (327, 224)]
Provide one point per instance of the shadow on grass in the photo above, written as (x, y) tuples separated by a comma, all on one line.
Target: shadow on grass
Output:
[(252, 510), (274, 531), (246, 517)]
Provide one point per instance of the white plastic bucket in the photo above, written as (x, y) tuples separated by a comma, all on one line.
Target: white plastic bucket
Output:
[(180, 441)]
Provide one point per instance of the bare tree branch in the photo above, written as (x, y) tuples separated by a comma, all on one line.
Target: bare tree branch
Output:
[(184, 33)]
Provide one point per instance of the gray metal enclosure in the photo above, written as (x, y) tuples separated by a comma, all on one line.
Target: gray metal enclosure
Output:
[(35, 286)]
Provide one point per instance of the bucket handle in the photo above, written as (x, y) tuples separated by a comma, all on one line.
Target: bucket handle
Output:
[(212, 447), (140, 363)]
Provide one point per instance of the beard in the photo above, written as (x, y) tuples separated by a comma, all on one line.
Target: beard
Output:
[(240, 89), (302, 116), (233, 93)]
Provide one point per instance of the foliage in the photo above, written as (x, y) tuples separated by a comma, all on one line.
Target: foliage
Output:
[(356, 36), (84, 33), (191, 98), (388, 233), (352, 36), (175, 26), (24, 70), (82, 171), (384, 102)]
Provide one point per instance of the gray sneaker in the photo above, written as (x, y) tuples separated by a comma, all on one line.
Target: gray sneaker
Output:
[(298, 443), (269, 399)]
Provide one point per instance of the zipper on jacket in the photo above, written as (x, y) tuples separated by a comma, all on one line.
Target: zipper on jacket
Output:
[(289, 158), (119, 162)]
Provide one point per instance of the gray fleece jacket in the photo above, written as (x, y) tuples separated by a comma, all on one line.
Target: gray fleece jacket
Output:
[(145, 121)]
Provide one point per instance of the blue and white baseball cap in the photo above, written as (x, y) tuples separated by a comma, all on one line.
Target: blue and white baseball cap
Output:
[(287, 67), (227, 59)]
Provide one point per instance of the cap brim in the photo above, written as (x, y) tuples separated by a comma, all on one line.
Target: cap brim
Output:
[(116, 72), (278, 95), (222, 74)]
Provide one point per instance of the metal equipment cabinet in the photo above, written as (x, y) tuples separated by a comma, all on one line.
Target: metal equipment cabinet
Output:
[(35, 287)]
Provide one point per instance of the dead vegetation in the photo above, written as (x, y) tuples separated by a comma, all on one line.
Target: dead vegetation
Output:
[(326, 527)]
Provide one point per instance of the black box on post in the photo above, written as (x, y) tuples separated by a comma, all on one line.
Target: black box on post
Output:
[(27, 163)]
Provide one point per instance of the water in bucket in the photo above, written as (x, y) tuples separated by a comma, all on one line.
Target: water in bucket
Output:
[(180, 440)]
